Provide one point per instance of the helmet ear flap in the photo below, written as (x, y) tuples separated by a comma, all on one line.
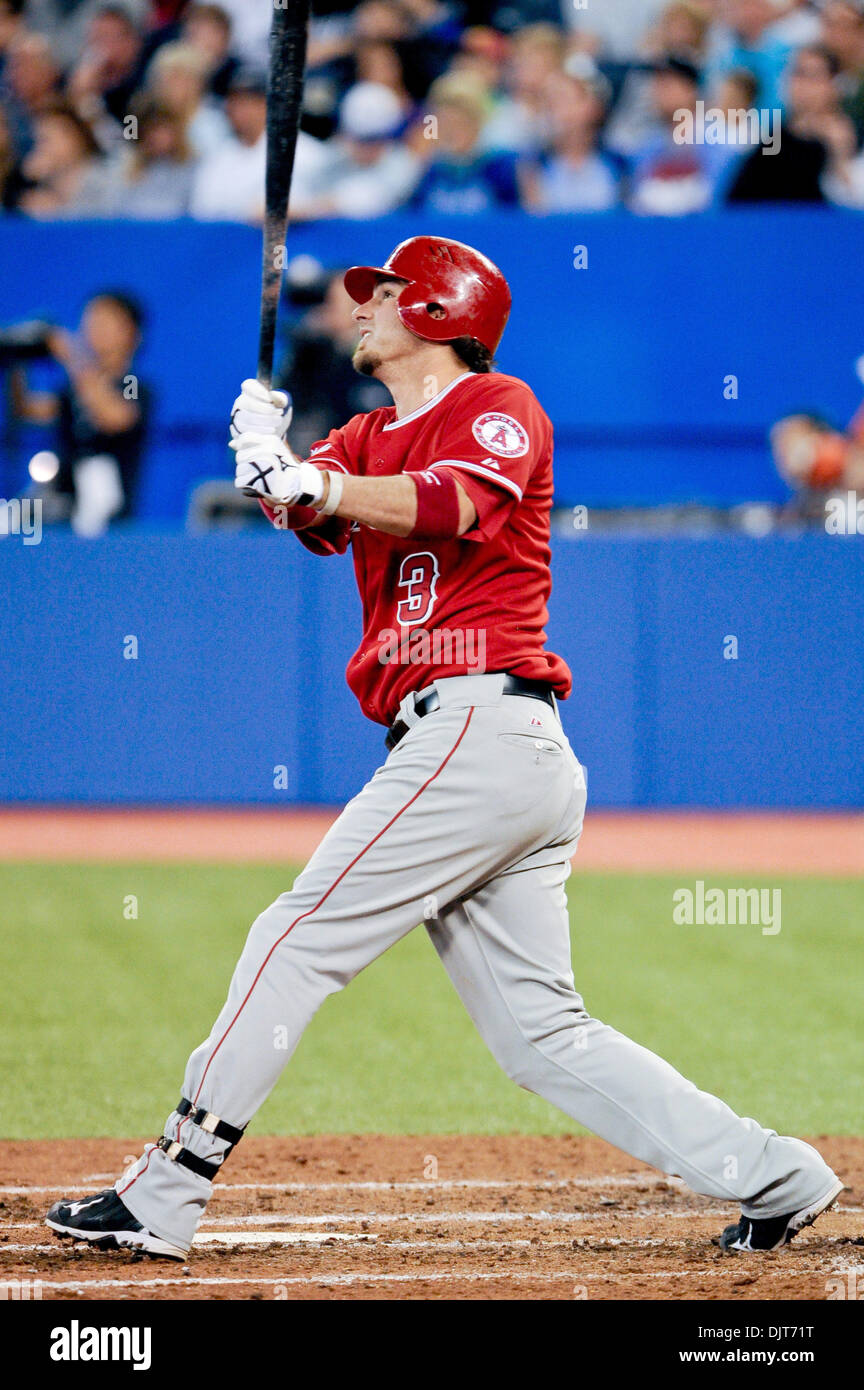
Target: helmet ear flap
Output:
[(424, 315)]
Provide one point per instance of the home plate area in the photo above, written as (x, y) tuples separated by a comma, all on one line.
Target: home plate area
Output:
[(434, 1217)]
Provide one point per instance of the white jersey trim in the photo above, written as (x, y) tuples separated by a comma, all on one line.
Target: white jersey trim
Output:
[(415, 414), (483, 472)]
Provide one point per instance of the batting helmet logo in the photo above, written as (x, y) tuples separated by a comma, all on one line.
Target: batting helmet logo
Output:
[(451, 290), (501, 435)]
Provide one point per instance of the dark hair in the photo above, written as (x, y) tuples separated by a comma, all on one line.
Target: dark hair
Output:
[(817, 50), (123, 301), (672, 63), (119, 12), (472, 353), (14, 7), (57, 108), (743, 77)]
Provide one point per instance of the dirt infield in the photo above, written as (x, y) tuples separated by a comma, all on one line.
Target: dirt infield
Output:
[(617, 842), (435, 1217)]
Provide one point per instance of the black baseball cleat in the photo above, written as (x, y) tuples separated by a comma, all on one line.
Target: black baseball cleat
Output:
[(106, 1223), (757, 1234)]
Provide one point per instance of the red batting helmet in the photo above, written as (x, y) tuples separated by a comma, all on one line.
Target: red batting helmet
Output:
[(441, 274)]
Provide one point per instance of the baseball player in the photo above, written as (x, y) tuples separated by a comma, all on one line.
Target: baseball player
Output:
[(469, 825)]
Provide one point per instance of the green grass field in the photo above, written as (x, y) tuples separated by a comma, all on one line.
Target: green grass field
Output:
[(99, 1013)]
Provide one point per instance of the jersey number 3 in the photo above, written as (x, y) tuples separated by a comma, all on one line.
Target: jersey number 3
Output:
[(418, 575)]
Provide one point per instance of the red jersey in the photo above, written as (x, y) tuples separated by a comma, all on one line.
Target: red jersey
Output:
[(452, 607)]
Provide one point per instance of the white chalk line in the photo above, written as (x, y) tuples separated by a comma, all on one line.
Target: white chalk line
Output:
[(335, 1218), (434, 1185), (424, 1218), (316, 1240), (575, 1276)]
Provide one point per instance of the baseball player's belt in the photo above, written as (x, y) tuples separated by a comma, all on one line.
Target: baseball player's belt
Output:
[(513, 685)]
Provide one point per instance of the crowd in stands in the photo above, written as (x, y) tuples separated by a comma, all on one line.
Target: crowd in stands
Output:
[(157, 108)]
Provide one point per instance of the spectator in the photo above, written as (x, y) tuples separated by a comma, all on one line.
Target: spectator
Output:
[(8, 183), (163, 17), (482, 54), (816, 113), (366, 172), (816, 461), (433, 18), (424, 34), (814, 105), (250, 29), (386, 21), (613, 31), (377, 61), (681, 29), (64, 174), (520, 123), (574, 176), (432, 43), (735, 96), (460, 178), (158, 170), (319, 372), (177, 78), (66, 23), (110, 69), (843, 36), (11, 27), (100, 414), (752, 44), (669, 177), (32, 79), (816, 157), (229, 184), (797, 23), (793, 173), (736, 91), (208, 29)]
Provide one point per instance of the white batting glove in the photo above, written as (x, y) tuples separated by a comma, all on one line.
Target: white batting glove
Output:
[(260, 411), (265, 467)]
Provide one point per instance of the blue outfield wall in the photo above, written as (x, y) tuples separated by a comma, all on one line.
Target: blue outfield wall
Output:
[(629, 356), (243, 640)]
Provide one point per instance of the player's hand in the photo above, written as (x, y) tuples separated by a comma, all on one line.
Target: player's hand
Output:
[(265, 467), (260, 411)]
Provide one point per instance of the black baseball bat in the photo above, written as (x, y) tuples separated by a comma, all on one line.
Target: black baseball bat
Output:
[(288, 32)]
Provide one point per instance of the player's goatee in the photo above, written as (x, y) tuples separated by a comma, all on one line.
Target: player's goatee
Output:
[(367, 363)]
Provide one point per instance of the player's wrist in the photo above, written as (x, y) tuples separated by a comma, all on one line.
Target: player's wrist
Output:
[(331, 493)]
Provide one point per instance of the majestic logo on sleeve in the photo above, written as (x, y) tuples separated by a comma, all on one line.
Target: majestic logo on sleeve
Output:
[(501, 435)]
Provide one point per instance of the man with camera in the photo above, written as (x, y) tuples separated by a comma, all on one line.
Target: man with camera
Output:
[(100, 413)]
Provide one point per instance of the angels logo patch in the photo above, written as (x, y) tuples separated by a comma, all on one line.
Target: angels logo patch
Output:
[(501, 435)]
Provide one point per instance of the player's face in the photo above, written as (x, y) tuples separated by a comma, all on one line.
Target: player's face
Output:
[(383, 336)]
